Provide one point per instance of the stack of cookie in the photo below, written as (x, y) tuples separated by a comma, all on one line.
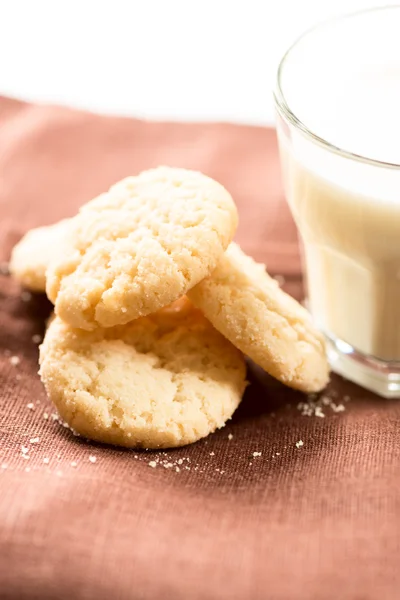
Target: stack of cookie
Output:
[(154, 307)]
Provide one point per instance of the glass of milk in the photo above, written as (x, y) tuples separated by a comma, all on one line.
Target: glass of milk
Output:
[(338, 120)]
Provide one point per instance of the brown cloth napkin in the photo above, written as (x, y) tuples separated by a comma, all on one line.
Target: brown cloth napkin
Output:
[(313, 520)]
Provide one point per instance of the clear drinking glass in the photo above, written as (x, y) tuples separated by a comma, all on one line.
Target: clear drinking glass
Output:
[(338, 120)]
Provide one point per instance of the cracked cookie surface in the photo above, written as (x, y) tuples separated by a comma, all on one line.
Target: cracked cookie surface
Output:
[(248, 307), (161, 381), (140, 246)]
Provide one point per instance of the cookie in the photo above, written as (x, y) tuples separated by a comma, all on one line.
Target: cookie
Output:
[(160, 381), (248, 307), (140, 246), (31, 256)]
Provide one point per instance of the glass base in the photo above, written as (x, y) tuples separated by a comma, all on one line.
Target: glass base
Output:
[(376, 375)]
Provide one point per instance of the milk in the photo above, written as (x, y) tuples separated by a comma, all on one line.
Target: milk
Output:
[(347, 210), (351, 242)]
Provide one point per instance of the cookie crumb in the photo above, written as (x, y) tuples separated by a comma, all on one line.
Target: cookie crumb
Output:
[(180, 461), (26, 296), (92, 458), (4, 466), (36, 338), (152, 464), (24, 450), (212, 453), (30, 405), (25, 456), (46, 416), (35, 440), (255, 454), (15, 360), (230, 436), (46, 461), (74, 464), (299, 444), (177, 469), (315, 406)]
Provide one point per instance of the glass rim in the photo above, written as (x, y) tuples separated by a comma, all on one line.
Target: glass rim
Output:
[(286, 112)]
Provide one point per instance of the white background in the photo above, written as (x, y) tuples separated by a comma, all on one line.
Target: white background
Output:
[(161, 59)]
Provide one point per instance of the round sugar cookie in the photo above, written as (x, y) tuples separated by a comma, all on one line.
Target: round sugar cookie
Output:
[(140, 246), (248, 307), (160, 381), (30, 258)]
